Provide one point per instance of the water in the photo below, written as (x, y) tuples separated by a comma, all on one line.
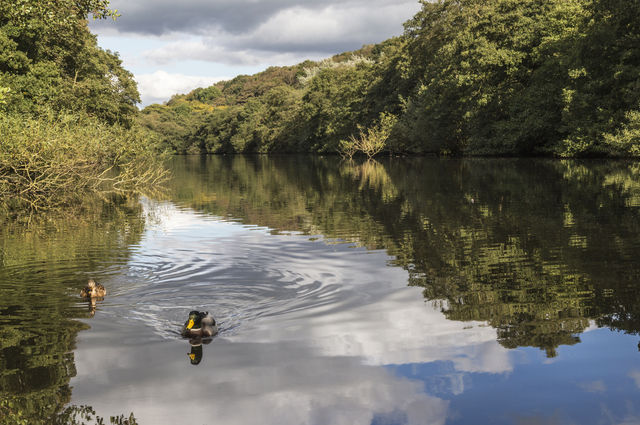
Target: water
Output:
[(405, 291)]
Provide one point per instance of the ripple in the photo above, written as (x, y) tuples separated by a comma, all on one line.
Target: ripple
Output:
[(245, 275)]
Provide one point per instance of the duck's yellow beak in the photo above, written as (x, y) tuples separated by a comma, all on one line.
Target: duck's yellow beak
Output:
[(192, 356), (190, 324)]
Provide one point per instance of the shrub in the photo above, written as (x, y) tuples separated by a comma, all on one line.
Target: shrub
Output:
[(57, 158), (371, 141)]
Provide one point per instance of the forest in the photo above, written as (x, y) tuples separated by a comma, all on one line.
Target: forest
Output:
[(467, 77)]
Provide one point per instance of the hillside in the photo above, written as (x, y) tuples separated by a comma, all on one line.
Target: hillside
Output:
[(467, 77)]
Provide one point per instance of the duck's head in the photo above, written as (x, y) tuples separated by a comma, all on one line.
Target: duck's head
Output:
[(194, 321), (91, 283), (195, 356)]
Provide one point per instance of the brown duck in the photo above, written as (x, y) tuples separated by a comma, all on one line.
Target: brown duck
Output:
[(93, 290)]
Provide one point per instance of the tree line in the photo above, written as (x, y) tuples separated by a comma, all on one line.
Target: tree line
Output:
[(470, 77)]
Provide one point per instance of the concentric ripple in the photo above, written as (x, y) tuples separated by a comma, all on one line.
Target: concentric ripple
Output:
[(238, 273)]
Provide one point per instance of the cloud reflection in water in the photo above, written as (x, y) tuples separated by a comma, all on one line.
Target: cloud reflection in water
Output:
[(320, 362)]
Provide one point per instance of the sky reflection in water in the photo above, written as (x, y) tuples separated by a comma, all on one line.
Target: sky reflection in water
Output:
[(320, 333), (406, 291)]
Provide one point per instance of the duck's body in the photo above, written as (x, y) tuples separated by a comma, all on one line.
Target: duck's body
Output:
[(93, 290), (200, 325)]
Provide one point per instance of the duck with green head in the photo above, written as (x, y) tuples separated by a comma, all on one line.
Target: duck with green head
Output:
[(199, 325)]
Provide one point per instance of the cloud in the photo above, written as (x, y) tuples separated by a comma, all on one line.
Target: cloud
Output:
[(593, 386), (236, 33), (259, 29), (159, 17), (635, 375), (161, 85), (332, 29), (206, 50)]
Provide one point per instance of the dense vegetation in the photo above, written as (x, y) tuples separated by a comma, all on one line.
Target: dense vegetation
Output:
[(67, 107), (498, 77)]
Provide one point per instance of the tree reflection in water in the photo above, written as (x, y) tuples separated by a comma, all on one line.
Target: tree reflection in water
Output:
[(44, 264), (539, 249)]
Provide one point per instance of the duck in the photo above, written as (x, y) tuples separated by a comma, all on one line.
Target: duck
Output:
[(199, 325), (93, 290)]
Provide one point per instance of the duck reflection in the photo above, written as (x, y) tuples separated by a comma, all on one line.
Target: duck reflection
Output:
[(195, 356), (200, 327), (92, 302)]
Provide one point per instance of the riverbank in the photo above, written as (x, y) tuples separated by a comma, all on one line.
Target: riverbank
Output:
[(56, 159)]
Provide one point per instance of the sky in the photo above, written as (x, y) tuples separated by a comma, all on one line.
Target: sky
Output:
[(173, 47)]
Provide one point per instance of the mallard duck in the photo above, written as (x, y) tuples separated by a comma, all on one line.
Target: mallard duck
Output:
[(93, 290), (199, 324)]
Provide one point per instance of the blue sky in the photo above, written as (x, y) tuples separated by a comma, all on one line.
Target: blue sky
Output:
[(172, 47)]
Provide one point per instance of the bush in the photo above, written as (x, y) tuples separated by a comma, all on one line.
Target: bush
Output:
[(626, 141), (57, 158), (371, 141)]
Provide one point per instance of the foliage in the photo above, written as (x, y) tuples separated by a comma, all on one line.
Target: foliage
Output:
[(58, 158), (308, 107), (348, 148), (49, 59), (626, 139), (68, 109), (86, 415), (309, 73), (498, 77), (4, 91), (174, 125), (374, 140)]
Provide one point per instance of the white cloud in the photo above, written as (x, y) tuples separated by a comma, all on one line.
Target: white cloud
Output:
[(160, 85), (206, 50), (635, 375), (289, 36), (338, 25), (593, 386), (159, 17)]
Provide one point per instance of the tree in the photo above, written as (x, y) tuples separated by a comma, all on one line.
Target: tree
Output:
[(50, 59)]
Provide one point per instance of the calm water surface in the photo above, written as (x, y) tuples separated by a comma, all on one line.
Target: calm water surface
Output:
[(420, 291)]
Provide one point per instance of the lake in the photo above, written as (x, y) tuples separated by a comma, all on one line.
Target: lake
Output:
[(403, 291)]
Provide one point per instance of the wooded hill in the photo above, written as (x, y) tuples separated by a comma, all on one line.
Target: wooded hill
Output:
[(496, 77)]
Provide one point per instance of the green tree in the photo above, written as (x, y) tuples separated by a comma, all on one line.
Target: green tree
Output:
[(50, 59)]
